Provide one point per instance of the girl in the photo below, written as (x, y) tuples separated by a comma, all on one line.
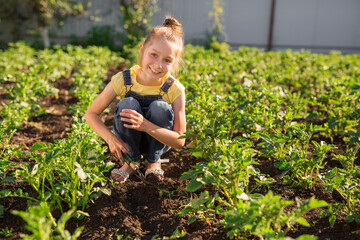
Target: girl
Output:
[(144, 122)]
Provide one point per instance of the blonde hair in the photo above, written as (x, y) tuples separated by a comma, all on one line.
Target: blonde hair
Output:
[(172, 31)]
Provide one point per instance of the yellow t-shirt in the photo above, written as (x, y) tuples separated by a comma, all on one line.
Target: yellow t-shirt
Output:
[(117, 82)]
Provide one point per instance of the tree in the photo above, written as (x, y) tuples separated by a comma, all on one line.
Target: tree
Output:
[(44, 12), (216, 33), (136, 20)]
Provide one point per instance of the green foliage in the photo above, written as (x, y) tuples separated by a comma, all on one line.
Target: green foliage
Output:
[(216, 34), (6, 232), (284, 107), (1, 211), (296, 110), (17, 57), (201, 208), (41, 227), (46, 12), (229, 169), (105, 36), (136, 19), (66, 174), (66, 171), (345, 181), (218, 47), (264, 216)]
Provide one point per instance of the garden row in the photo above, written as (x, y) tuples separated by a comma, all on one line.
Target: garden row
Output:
[(297, 110), (67, 174)]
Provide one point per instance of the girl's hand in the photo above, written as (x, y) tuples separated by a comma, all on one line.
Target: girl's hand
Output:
[(117, 146), (138, 122)]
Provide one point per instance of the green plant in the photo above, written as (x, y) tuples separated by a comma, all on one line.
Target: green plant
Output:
[(47, 13), (346, 183), (201, 208), (41, 227), (1, 211), (66, 174), (218, 47), (104, 35), (6, 232), (6, 151), (67, 171), (136, 19), (17, 57), (229, 170), (295, 154), (264, 216), (216, 32)]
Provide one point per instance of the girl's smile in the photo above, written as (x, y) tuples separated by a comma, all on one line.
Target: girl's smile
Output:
[(154, 71)]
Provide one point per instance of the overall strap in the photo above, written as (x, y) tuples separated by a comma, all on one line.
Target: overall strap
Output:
[(127, 81), (127, 77), (168, 83)]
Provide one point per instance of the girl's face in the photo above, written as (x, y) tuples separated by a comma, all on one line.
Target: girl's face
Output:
[(158, 58)]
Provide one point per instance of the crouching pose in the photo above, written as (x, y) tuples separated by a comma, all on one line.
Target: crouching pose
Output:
[(150, 117)]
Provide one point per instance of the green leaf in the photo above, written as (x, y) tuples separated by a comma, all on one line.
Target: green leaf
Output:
[(352, 218), (192, 219), (197, 203), (106, 191), (1, 210), (35, 169), (193, 185), (314, 203), (38, 146), (307, 237), (8, 180), (197, 154), (5, 193), (332, 220), (303, 222)]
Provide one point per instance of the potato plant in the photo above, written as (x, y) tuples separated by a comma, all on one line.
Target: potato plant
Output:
[(70, 170), (294, 107)]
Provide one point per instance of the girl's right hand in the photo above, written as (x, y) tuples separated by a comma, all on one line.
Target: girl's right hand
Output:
[(117, 146)]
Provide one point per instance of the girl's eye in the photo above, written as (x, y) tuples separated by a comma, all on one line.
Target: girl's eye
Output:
[(154, 54), (167, 61)]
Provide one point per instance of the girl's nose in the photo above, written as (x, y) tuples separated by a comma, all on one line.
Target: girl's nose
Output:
[(159, 64)]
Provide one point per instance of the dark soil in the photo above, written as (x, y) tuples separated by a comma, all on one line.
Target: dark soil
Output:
[(137, 209)]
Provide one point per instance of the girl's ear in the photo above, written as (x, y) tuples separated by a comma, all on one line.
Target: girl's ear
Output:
[(141, 46)]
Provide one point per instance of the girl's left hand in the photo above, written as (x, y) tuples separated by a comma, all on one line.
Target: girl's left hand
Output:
[(138, 122)]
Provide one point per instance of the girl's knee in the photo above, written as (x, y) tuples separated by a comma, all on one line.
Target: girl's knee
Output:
[(128, 103), (160, 110)]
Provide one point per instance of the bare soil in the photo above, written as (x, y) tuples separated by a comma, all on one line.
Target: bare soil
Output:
[(136, 209)]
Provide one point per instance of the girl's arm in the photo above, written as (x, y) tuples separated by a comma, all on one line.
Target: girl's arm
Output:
[(163, 135), (92, 116)]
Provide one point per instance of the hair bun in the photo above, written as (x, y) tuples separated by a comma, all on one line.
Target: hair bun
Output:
[(172, 23)]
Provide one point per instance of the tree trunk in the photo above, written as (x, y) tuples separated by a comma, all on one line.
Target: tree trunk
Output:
[(44, 32)]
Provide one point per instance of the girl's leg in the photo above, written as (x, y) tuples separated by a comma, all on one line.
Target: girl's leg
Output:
[(130, 136), (161, 114)]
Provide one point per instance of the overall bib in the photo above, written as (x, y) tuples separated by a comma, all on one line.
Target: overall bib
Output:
[(155, 109)]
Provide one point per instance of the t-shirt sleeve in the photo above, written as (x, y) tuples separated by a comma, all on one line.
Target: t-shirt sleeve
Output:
[(117, 81), (175, 91)]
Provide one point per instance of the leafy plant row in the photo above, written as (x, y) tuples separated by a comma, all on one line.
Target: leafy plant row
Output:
[(67, 174), (296, 109)]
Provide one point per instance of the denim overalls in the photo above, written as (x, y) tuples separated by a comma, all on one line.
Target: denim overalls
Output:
[(154, 109)]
